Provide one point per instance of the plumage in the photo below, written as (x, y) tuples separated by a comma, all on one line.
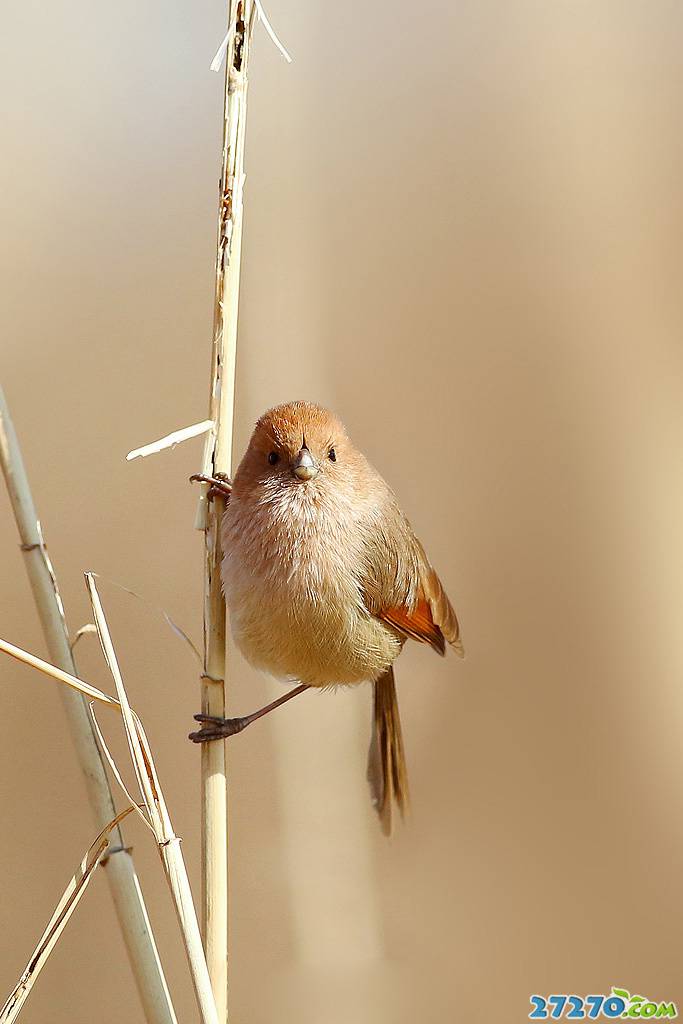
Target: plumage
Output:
[(387, 774), (416, 623), (323, 576)]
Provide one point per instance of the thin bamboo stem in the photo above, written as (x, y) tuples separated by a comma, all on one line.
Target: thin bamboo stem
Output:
[(218, 459), (119, 867)]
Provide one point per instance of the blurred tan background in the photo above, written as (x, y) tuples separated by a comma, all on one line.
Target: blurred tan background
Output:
[(463, 232)]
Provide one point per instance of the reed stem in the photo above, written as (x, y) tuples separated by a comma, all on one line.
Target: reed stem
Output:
[(119, 867), (217, 460)]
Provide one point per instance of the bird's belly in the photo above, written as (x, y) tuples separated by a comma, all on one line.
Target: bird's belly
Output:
[(315, 633)]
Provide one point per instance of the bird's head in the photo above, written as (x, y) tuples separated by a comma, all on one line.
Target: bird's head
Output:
[(296, 445)]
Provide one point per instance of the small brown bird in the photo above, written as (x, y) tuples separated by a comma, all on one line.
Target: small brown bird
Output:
[(324, 579)]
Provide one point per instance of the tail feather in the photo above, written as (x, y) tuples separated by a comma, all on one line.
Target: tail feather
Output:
[(387, 773)]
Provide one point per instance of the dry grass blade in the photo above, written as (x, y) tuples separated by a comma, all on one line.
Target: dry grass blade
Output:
[(115, 770), (129, 722), (157, 608), (80, 633), (155, 805), (87, 690), (65, 908), (120, 872), (159, 818), (57, 673), (263, 18)]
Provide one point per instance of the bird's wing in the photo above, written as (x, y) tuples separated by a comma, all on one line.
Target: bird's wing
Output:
[(400, 586)]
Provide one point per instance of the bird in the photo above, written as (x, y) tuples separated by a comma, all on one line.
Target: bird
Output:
[(325, 580)]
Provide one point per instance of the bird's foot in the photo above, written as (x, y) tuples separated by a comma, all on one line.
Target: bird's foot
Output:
[(220, 484), (215, 728)]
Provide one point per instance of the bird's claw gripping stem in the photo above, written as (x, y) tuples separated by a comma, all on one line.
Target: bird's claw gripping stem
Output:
[(215, 728), (218, 484)]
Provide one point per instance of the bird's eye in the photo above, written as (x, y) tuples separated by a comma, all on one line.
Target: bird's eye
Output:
[(332, 455), (273, 458)]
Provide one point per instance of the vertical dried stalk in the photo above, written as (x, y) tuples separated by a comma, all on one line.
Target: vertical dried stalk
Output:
[(120, 870), (218, 457)]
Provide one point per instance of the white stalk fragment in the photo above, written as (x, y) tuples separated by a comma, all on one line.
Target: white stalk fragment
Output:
[(175, 437)]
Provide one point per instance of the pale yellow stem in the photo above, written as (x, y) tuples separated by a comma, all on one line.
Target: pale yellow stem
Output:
[(218, 459), (120, 870)]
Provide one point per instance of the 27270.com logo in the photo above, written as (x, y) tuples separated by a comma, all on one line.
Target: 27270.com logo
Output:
[(619, 1003)]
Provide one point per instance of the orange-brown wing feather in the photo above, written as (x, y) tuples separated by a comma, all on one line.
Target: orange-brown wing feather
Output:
[(442, 611), (417, 623), (401, 587)]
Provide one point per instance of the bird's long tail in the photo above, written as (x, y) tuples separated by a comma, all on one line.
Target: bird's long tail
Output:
[(387, 773)]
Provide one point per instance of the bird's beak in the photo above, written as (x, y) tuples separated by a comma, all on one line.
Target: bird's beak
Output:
[(304, 466)]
